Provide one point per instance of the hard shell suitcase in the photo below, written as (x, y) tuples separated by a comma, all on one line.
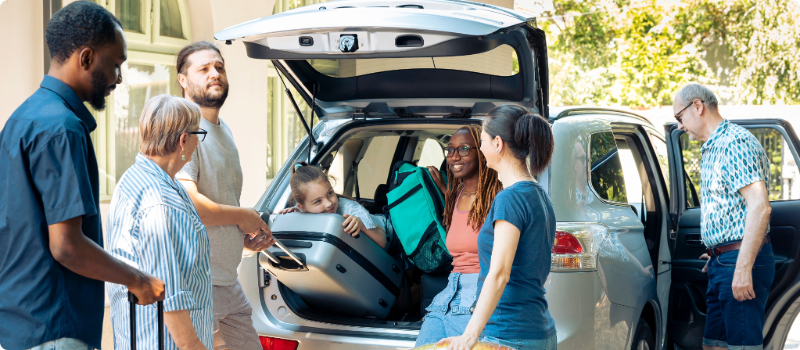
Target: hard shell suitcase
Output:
[(334, 271), (132, 299)]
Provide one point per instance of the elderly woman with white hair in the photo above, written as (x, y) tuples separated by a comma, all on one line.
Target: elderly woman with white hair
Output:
[(153, 225)]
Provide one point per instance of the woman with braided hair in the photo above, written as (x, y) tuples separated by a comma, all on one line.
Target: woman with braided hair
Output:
[(469, 194), (516, 237)]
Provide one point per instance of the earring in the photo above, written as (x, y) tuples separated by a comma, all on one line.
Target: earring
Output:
[(497, 150), (183, 156)]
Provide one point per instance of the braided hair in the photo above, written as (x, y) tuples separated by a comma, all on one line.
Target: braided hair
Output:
[(488, 187)]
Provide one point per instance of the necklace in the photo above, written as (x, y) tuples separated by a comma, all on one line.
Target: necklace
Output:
[(469, 193)]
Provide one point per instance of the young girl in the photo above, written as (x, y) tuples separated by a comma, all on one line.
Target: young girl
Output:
[(313, 192)]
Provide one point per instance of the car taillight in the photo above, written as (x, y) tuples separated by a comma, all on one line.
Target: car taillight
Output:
[(566, 243), (575, 248), (268, 343)]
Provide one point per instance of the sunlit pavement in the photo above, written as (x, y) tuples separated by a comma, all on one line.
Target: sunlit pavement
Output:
[(792, 341)]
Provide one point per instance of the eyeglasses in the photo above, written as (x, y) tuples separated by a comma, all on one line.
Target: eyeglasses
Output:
[(678, 116), (463, 151), (200, 134)]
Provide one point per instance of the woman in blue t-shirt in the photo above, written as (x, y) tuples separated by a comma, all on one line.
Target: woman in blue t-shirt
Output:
[(515, 241)]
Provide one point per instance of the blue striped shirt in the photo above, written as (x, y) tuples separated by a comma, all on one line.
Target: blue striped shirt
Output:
[(153, 226)]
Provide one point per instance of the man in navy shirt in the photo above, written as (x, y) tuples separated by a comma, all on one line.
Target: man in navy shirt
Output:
[(52, 264)]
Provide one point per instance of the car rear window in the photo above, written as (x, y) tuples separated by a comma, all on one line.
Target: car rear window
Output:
[(500, 61)]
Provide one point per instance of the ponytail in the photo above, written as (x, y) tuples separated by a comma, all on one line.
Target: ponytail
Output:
[(526, 135)]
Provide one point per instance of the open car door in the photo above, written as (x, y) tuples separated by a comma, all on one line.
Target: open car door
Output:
[(389, 58), (687, 307)]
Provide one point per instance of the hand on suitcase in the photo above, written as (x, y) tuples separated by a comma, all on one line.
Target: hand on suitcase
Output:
[(252, 223), (352, 225), (148, 289), (288, 210), (259, 242)]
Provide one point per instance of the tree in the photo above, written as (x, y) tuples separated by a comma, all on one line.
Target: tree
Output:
[(640, 52)]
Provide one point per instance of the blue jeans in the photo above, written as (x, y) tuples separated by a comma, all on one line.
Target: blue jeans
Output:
[(63, 344), (731, 323), (525, 344), (450, 310)]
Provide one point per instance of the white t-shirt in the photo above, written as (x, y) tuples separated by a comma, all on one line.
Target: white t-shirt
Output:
[(216, 170)]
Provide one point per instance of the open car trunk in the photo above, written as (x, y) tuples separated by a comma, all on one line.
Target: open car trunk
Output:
[(386, 58), (426, 65)]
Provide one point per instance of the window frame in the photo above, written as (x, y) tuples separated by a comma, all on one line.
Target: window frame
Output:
[(151, 40), (589, 169), (143, 48), (185, 26), (104, 137), (756, 125), (662, 173), (638, 140)]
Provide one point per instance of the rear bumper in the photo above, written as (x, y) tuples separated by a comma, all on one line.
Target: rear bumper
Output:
[(584, 317)]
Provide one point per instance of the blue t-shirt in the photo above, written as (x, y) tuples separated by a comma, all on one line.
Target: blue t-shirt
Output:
[(49, 174), (522, 311)]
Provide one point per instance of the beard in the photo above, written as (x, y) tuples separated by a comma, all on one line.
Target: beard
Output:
[(200, 95), (97, 98)]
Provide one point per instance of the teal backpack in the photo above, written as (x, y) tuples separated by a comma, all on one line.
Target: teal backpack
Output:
[(415, 207)]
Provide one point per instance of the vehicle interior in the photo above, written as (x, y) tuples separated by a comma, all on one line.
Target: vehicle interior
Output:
[(687, 312), (359, 163)]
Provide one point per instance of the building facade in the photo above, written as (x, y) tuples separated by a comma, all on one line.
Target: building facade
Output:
[(265, 126)]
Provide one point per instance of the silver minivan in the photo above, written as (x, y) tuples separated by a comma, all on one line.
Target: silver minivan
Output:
[(391, 80)]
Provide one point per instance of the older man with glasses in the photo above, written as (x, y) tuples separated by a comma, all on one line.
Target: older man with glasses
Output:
[(734, 174)]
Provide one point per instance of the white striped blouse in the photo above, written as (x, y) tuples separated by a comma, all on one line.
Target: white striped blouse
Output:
[(153, 226)]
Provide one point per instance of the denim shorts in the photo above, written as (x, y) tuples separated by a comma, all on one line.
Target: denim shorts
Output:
[(731, 323), (63, 344), (525, 344), (450, 310)]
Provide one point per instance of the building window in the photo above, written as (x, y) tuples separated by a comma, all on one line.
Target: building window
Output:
[(171, 23), (155, 31), (153, 25), (284, 128), (141, 81), (130, 13)]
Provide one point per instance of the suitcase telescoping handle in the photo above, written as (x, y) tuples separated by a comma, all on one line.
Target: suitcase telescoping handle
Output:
[(133, 300), (265, 217)]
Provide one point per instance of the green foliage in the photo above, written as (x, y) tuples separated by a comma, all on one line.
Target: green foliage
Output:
[(640, 52), (606, 168)]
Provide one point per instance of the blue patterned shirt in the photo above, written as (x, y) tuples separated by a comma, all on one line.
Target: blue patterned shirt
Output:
[(153, 225), (732, 158)]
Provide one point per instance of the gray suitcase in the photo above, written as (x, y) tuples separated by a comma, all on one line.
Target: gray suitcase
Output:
[(330, 269)]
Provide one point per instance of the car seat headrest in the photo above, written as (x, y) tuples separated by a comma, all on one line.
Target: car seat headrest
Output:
[(380, 195)]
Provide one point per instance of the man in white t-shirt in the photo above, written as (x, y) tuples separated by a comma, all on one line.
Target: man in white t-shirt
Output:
[(214, 181)]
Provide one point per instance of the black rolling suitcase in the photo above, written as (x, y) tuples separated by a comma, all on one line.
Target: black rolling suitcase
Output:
[(132, 299)]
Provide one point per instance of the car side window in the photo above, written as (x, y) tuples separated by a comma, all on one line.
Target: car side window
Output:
[(629, 160), (660, 146), (373, 168), (605, 168), (432, 153), (784, 176)]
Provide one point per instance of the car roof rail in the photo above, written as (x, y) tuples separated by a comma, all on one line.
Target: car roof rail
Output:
[(571, 112)]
